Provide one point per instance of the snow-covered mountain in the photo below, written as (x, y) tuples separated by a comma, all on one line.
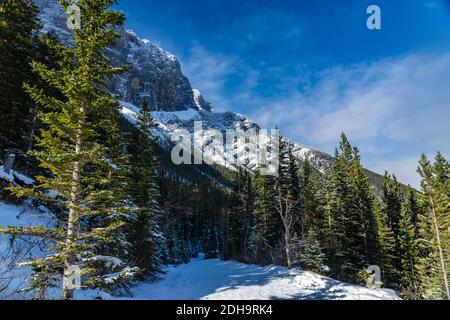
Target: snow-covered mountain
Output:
[(155, 75)]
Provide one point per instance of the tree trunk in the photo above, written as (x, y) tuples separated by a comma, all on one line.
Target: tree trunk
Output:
[(32, 131), (287, 244), (73, 217)]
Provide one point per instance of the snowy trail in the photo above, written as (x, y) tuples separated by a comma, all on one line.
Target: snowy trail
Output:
[(227, 280), (202, 279)]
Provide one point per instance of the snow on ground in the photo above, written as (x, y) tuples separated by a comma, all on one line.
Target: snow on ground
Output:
[(228, 280), (14, 279), (23, 216), (199, 279)]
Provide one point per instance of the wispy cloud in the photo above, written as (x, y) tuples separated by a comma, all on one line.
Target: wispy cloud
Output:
[(209, 72), (393, 109), (404, 169)]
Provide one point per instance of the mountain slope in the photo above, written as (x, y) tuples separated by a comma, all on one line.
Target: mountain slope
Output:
[(155, 75)]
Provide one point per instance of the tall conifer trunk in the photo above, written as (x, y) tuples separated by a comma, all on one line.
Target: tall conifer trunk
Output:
[(73, 212)]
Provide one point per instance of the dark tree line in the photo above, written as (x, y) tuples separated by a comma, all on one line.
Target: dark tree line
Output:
[(333, 222)]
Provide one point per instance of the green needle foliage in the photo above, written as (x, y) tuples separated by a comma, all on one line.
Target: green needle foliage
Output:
[(76, 147)]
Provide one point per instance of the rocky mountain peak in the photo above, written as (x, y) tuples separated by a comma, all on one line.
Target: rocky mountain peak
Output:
[(154, 74)]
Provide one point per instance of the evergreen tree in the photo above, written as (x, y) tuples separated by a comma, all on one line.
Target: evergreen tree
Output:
[(144, 231), (44, 53), (287, 197), (267, 229), (178, 201), (72, 148), (294, 185), (240, 217), (365, 209), (409, 245), (345, 234), (308, 254), (388, 246), (392, 201), (18, 41), (391, 207), (312, 216), (434, 266)]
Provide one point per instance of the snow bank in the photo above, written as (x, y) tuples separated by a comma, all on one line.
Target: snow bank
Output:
[(200, 279), (227, 280), (14, 279), (10, 177), (6, 176)]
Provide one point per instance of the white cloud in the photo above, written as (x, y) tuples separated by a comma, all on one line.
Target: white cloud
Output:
[(393, 109), (209, 72), (404, 168)]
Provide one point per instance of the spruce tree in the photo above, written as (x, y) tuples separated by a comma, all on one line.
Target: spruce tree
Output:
[(365, 208), (391, 207), (409, 245), (144, 229), (240, 217), (18, 41), (294, 185), (287, 197), (73, 149), (267, 228), (345, 234), (388, 248), (311, 199), (434, 266), (308, 254), (392, 201)]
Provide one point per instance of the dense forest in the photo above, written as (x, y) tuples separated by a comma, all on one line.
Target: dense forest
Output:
[(124, 211)]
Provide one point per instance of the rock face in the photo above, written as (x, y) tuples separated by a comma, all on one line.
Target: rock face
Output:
[(155, 75)]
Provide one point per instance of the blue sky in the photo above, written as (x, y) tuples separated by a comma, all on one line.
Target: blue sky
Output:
[(314, 69)]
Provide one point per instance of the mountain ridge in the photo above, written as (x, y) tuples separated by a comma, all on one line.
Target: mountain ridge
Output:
[(155, 75)]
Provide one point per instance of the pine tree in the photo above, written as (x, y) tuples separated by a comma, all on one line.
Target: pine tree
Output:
[(409, 245), (391, 207), (240, 217), (72, 148), (287, 197), (308, 254), (177, 222), (312, 215), (43, 53), (345, 234), (18, 41), (392, 201), (365, 208), (388, 247), (294, 185), (267, 229), (144, 230), (434, 266)]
